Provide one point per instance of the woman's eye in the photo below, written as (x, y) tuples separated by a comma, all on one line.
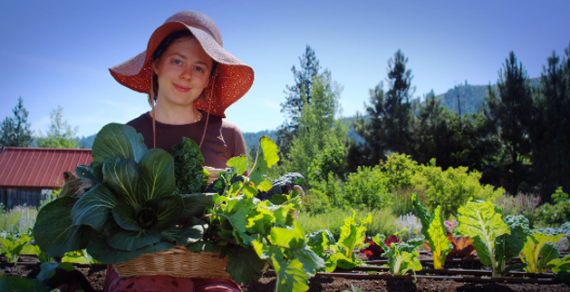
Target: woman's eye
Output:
[(199, 69), (177, 62)]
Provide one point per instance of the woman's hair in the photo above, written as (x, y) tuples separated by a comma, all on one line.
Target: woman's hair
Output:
[(162, 47)]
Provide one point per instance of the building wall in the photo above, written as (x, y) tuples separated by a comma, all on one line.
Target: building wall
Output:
[(12, 197)]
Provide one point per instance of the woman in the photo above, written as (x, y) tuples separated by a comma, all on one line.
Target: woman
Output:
[(191, 80)]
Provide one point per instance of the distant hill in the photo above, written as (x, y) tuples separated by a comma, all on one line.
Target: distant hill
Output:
[(252, 138), (471, 97)]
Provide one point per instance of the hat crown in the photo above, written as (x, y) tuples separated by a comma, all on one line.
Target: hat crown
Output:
[(200, 21)]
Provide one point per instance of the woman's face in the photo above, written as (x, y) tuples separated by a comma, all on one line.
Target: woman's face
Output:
[(183, 72)]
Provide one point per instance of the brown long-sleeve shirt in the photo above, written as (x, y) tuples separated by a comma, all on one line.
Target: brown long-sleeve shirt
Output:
[(223, 139)]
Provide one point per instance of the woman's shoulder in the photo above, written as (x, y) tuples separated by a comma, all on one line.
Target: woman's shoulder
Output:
[(229, 126), (140, 121)]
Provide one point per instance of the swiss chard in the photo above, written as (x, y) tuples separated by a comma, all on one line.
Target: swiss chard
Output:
[(433, 230), (561, 269), (239, 220), (402, 256), (539, 249), (341, 253), (462, 247), (484, 223)]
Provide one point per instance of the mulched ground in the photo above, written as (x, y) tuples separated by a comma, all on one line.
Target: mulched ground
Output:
[(325, 284)]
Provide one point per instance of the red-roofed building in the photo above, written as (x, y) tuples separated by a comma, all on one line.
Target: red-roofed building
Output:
[(25, 173)]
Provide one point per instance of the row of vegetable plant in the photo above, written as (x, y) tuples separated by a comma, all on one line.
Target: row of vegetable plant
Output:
[(133, 200)]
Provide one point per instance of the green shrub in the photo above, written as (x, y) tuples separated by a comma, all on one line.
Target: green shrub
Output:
[(554, 215), (452, 188), (331, 159), (324, 195), (399, 170), (367, 188)]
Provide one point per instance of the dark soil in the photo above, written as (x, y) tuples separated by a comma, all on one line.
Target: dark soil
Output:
[(96, 275), (339, 284)]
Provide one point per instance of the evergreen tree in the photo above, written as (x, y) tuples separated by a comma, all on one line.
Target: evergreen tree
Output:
[(60, 134), (550, 136), (453, 140), (319, 126), (511, 113), (296, 98), (15, 131), (431, 131), (388, 127)]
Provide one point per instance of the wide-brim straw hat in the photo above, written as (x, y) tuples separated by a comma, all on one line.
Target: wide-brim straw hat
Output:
[(232, 78)]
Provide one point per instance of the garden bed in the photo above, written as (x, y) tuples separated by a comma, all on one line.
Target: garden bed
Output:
[(364, 278)]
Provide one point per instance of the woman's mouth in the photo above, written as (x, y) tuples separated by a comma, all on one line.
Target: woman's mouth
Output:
[(181, 88)]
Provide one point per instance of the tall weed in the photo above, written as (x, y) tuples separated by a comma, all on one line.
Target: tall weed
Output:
[(520, 204), (19, 219), (382, 221)]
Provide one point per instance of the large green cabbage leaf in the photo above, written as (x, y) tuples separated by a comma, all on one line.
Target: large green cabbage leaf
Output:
[(54, 231), (132, 208)]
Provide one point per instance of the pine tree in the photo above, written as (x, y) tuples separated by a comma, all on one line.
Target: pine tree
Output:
[(431, 131), (511, 113), (297, 96), (15, 131), (388, 127), (550, 135)]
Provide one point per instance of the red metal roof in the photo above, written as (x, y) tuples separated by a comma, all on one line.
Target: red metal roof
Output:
[(39, 167)]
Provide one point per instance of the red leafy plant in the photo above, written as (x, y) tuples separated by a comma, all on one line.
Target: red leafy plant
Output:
[(374, 251), (462, 247)]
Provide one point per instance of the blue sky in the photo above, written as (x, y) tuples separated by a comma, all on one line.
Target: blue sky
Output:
[(58, 52)]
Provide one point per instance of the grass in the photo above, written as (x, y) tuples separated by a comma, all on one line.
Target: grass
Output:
[(382, 221), (19, 219)]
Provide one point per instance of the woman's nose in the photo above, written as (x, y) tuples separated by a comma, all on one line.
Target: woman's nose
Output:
[(186, 74)]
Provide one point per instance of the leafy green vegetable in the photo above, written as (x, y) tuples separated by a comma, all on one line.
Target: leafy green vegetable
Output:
[(508, 246), (11, 245), (240, 220), (321, 241), (558, 265), (19, 284), (402, 256), (340, 254), (145, 201), (132, 208), (188, 160), (433, 230), (538, 250), (352, 236), (483, 222)]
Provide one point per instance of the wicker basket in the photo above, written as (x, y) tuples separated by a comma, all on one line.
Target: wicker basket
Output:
[(177, 262)]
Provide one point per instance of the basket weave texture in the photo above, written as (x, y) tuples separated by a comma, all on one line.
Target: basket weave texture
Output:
[(176, 262)]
